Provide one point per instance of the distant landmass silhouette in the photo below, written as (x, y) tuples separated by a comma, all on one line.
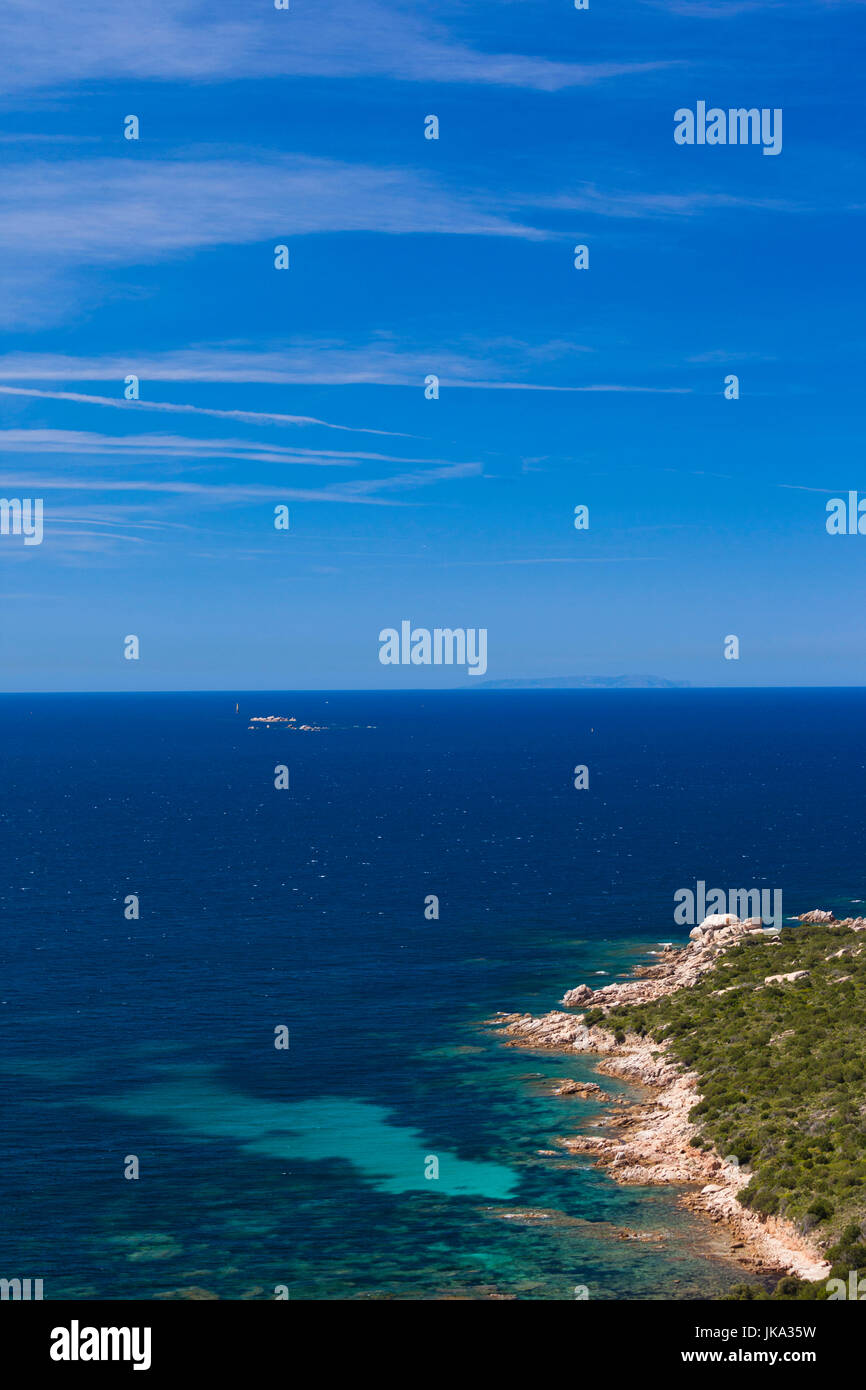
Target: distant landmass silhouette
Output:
[(585, 683)]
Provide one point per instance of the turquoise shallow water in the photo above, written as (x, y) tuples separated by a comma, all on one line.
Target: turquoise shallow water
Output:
[(308, 1167), (240, 1193), (354, 1132)]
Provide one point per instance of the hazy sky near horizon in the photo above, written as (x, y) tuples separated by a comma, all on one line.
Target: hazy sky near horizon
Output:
[(411, 257)]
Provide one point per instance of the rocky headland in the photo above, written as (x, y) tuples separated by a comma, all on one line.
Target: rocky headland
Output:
[(652, 1140)]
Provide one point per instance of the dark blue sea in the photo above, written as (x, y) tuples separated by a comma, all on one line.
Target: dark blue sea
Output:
[(304, 908)]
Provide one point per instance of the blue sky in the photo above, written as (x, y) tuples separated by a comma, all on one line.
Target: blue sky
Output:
[(409, 257)]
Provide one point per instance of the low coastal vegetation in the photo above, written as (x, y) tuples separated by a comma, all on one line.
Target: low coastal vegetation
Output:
[(781, 1069)]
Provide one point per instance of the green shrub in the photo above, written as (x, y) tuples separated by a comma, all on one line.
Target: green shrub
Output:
[(781, 1076)]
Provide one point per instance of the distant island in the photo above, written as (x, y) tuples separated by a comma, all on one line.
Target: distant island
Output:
[(288, 723), (586, 683), (267, 721)]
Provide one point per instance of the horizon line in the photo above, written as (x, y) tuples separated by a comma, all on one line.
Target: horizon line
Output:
[(434, 690)]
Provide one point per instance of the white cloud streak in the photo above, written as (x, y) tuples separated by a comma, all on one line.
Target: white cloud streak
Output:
[(91, 444), (487, 366), (254, 417), (53, 44), (126, 211)]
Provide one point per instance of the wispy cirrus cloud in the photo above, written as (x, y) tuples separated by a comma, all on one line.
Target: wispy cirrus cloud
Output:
[(381, 360), (638, 203), (440, 472), (801, 487), (362, 492), (492, 365), (99, 530), (602, 387), (54, 44), (126, 211), (113, 516), (131, 212), (254, 417), (724, 355), (214, 494), (730, 9), (552, 560), (90, 444)]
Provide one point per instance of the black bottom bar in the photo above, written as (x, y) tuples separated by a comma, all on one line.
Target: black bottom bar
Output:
[(167, 1339)]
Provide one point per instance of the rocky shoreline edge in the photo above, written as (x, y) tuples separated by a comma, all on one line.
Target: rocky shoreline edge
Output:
[(648, 1141)]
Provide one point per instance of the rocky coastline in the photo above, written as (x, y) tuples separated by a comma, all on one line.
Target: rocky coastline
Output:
[(648, 1141)]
